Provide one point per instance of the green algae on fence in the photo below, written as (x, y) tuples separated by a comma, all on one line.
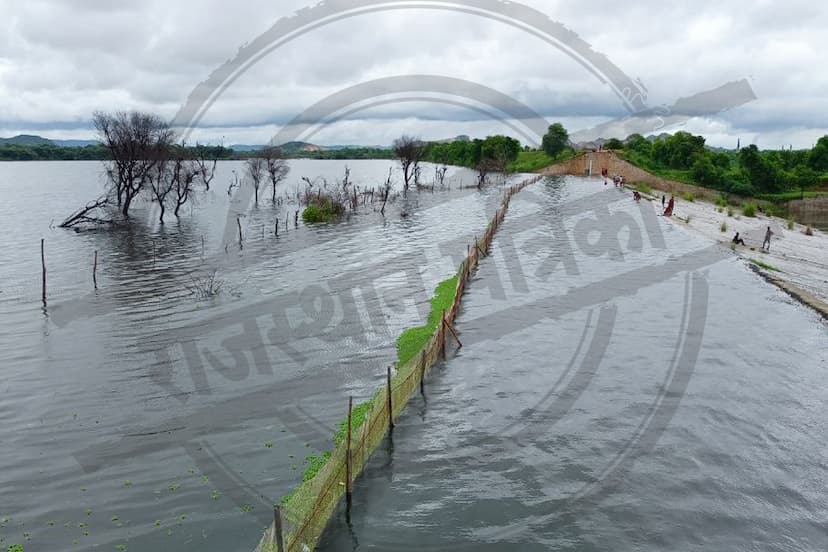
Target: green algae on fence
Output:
[(409, 345), (412, 341)]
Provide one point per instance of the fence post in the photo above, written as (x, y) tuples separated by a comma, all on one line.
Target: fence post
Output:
[(95, 270), (422, 372), (348, 454), (43, 266), (443, 336), (454, 333), (390, 404), (277, 537)]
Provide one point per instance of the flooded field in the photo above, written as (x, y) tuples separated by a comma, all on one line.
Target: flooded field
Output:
[(137, 414)]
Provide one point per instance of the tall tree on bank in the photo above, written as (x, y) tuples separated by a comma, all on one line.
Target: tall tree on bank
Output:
[(409, 151), (555, 141)]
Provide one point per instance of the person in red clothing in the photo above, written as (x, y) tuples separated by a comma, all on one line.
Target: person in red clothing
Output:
[(668, 212)]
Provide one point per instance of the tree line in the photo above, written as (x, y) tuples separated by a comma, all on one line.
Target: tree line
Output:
[(746, 172)]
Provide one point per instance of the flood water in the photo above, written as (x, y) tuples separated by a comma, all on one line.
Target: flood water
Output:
[(137, 414), (646, 392)]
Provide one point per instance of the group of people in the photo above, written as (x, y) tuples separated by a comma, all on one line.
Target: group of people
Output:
[(737, 239), (618, 180)]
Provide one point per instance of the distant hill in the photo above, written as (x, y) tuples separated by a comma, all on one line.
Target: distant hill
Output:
[(31, 140), (26, 140)]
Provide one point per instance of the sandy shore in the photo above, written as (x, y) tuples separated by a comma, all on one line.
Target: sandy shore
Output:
[(801, 260)]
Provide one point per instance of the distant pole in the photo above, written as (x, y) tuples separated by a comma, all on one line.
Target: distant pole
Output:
[(95, 270), (43, 266), (238, 222), (348, 454), (277, 227), (202, 245)]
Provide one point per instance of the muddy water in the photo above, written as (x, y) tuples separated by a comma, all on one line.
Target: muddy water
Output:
[(137, 414), (644, 393)]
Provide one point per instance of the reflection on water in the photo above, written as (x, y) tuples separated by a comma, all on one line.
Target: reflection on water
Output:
[(539, 433), (134, 414)]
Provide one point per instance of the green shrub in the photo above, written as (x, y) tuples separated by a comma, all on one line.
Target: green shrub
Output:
[(791, 224), (324, 211), (724, 226), (721, 202), (687, 196), (730, 211), (749, 209)]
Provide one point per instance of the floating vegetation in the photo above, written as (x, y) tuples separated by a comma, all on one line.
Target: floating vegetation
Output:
[(766, 266)]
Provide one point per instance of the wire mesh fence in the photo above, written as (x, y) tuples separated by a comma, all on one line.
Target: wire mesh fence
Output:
[(299, 523)]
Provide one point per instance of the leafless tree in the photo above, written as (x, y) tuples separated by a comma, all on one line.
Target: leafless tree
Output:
[(440, 174), (276, 166), (409, 151), (206, 160), (136, 142), (484, 167), (161, 183), (255, 168), (185, 173)]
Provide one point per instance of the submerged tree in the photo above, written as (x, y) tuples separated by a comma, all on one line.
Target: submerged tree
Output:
[(409, 151), (143, 161), (136, 143), (276, 166), (255, 168)]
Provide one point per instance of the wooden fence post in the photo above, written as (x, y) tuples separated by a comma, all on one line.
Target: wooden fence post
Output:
[(446, 323), (443, 337), (95, 270), (277, 537), (390, 404), (43, 266), (348, 454), (422, 372)]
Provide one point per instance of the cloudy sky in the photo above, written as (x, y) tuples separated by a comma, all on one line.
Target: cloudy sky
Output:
[(60, 61)]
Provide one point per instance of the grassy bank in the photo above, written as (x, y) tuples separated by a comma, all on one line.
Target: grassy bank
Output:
[(535, 160)]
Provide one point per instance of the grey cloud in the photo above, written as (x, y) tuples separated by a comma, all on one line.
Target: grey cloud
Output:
[(60, 61)]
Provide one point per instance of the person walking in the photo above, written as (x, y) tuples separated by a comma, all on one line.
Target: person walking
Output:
[(766, 243), (663, 200)]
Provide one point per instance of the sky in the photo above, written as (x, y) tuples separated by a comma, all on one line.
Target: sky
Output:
[(61, 61)]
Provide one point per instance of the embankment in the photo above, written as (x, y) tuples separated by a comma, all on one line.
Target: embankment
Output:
[(598, 160), (301, 519)]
